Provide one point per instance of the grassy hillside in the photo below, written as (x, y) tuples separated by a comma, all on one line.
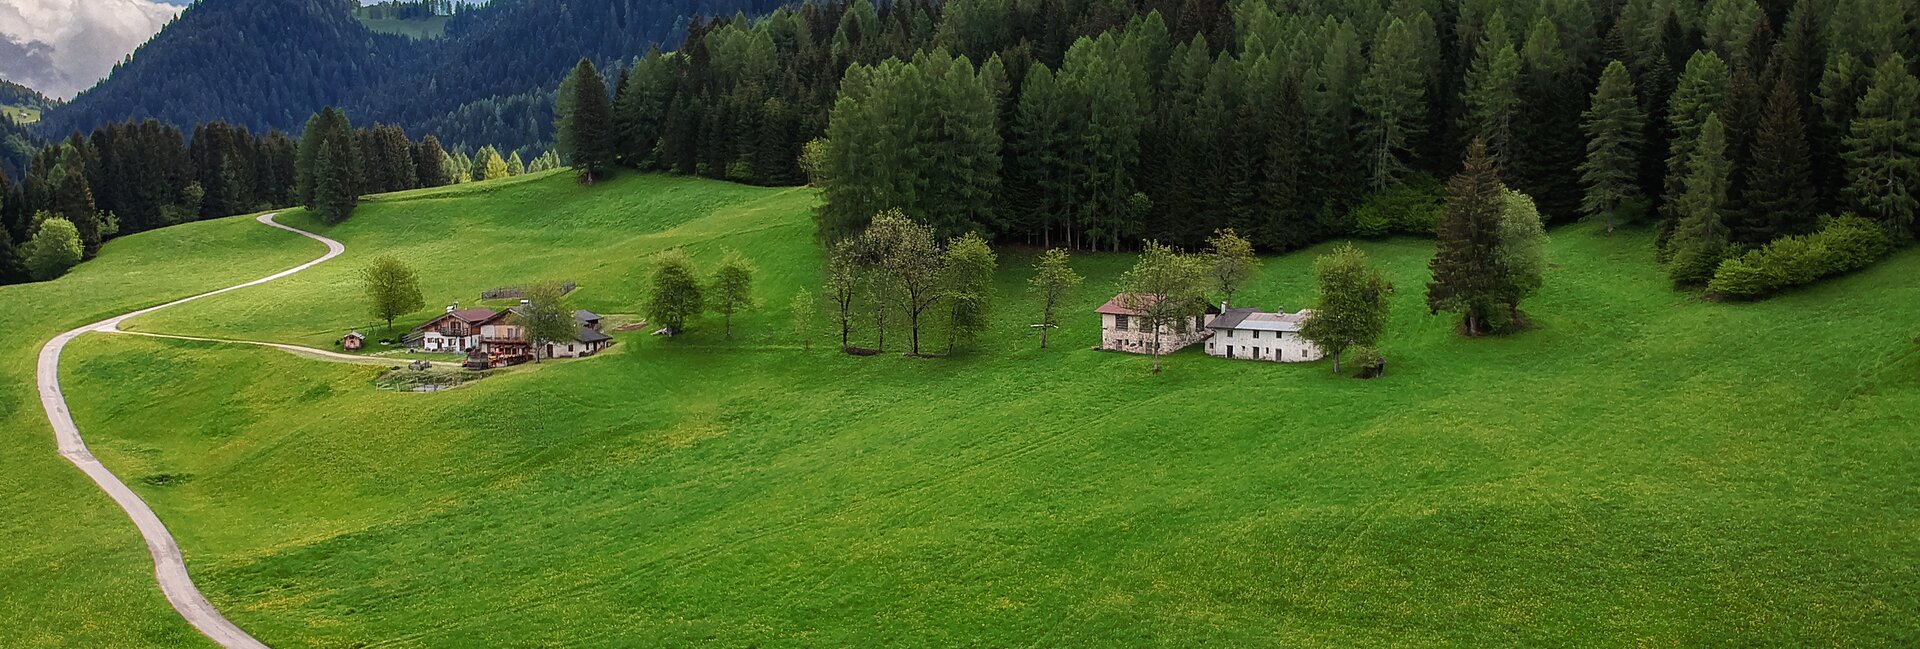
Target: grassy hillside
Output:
[(76, 571), (22, 115), (1644, 468)]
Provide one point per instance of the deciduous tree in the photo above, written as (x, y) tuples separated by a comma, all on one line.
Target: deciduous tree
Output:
[(1167, 289), (806, 318), (1053, 282), (1523, 250), (54, 249), (1353, 305), (967, 271), (843, 285), (1230, 262), (675, 296), (545, 316), (732, 288), (392, 288)]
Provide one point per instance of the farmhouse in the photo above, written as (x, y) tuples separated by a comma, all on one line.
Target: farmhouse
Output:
[(1255, 335), (458, 330), (1121, 329), (503, 342)]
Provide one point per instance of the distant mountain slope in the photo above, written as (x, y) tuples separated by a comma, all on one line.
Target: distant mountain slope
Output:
[(13, 94), (272, 63), (259, 63), (16, 143)]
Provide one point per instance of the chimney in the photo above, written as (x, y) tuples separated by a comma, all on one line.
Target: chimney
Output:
[(451, 308)]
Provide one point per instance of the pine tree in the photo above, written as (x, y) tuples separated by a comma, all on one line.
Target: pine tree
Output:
[(1468, 276), (1883, 148), (1780, 192), (515, 166), (1613, 125), (1700, 233), (585, 129)]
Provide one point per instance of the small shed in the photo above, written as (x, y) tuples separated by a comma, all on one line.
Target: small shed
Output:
[(353, 341)]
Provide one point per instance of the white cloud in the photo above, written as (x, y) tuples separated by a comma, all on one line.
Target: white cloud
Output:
[(70, 44)]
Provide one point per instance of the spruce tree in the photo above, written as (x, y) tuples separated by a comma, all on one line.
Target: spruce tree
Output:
[(73, 201), (430, 162), (1779, 197), (1842, 83), (1468, 275), (1700, 233), (1492, 90), (1613, 125), (1553, 94), (334, 194), (1883, 148), (585, 129), (1702, 92), (1393, 98)]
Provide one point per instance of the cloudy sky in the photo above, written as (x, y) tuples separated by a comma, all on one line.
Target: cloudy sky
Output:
[(61, 47)]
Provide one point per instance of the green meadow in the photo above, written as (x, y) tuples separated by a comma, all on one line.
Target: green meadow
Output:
[(22, 115), (1643, 468)]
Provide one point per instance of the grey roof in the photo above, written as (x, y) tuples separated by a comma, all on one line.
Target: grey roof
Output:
[(584, 315), (591, 336), (1257, 320)]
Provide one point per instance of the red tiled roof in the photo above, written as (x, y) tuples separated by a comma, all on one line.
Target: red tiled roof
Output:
[(1118, 305)]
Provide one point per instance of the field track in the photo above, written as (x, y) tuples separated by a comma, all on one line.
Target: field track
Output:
[(169, 568)]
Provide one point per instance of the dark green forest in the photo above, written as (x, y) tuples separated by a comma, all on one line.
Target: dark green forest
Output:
[(1729, 125), (269, 64), (1093, 124)]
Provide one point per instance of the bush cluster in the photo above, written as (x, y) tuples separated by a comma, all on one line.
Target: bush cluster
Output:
[(1842, 244), (1412, 209)]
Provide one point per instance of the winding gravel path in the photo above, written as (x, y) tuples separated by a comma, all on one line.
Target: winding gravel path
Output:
[(168, 566)]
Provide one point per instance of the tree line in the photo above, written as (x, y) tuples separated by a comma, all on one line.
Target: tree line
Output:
[(132, 177), (1097, 125)]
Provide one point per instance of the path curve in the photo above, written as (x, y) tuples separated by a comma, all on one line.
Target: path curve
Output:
[(310, 352), (169, 568)]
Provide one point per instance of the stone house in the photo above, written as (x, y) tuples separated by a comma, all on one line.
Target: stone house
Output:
[(1121, 329)]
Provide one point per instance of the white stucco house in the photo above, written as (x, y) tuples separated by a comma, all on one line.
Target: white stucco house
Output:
[(1252, 334), (1122, 331)]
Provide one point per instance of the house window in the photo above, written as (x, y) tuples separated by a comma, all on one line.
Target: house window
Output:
[(1119, 323), (1256, 334)]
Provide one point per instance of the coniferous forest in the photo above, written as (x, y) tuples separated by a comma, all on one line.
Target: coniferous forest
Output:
[(1743, 130), (1729, 123)]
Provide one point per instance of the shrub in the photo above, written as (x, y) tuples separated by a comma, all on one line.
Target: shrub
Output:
[(1842, 244), (1411, 209), (1368, 362), (54, 249)]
